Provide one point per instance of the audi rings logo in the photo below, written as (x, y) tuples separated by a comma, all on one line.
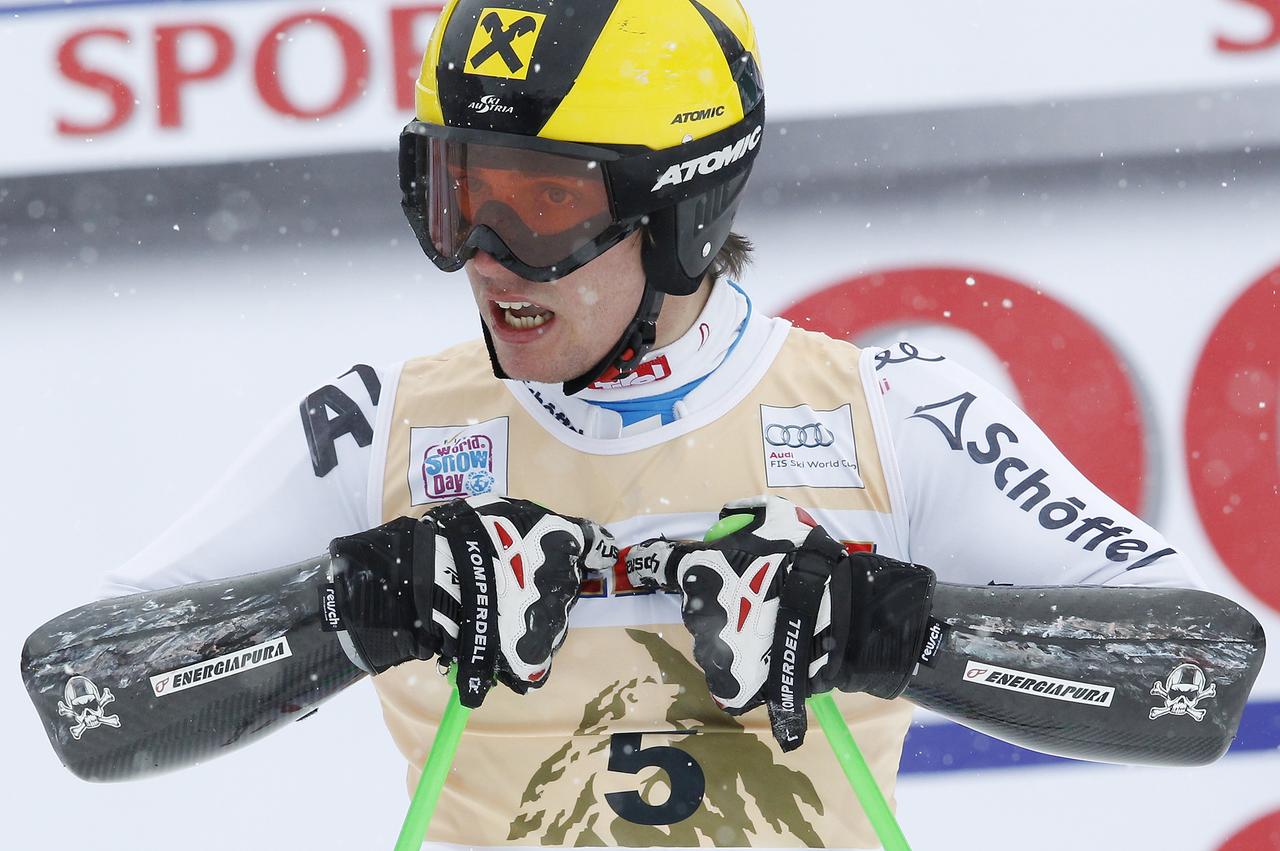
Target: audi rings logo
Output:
[(811, 436), (806, 447)]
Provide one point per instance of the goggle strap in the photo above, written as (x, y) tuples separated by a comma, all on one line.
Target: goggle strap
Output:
[(653, 180)]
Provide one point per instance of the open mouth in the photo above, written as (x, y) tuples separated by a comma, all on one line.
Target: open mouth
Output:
[(522, 315)]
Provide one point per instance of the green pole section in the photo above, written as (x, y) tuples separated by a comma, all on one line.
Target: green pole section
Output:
[(860, 778), (838, 735), (440, 760), (435, 772)]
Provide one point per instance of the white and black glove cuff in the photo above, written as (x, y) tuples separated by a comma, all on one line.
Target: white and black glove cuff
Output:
[(779, 611), (488, 582)]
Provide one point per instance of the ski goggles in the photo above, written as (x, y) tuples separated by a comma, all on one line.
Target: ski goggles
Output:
[(545, 208)]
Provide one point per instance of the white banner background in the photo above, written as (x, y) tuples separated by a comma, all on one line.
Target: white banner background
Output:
[(123, 370), (115, 76)]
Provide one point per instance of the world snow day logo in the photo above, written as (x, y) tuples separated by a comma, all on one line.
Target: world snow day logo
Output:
[(459, 467), (455, 462)]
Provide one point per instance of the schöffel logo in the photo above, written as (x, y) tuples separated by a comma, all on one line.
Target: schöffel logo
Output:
[(809, 436), (1038, 685), (220, 667), (808, 448), (711, 163), (454, 462), (1033, 492)]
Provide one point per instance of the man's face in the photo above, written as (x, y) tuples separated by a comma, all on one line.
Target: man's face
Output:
[(555, 332)]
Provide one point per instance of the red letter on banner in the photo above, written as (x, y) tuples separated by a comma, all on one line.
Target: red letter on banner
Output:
[(1232, 420), (406, 50), (119, 93), (172, 77), (355, 68), (1071, 380), (1271, 8)]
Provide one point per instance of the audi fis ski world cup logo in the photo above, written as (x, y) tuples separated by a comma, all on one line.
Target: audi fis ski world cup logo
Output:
[(1038, 685), (86, 706), (502, 45), (454, 462), (808, 448), (809, 436), (220, 667)]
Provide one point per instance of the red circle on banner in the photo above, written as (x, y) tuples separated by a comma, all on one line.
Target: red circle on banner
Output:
[(1261, 835), (1232, 419), (1072, 381)]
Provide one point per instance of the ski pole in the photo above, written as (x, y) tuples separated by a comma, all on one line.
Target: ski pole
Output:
[(860, 778), (440, 759), (435, 771), (838, 735)]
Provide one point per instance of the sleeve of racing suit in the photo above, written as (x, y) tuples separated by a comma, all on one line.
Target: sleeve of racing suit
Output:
[(221, 630), (989, 497), (303, 482)]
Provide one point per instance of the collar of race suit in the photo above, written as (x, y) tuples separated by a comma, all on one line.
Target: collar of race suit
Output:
[(653, 394)]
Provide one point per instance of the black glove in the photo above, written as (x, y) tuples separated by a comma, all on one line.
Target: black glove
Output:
[(779, 611), (486, 581)]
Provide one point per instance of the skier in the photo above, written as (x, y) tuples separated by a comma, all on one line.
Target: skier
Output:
[(583, 163)]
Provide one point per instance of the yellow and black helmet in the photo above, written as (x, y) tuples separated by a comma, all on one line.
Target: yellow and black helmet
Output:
[(549, 130)]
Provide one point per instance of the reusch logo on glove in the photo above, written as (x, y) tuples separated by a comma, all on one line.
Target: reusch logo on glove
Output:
[(330, 617), (933, 643)]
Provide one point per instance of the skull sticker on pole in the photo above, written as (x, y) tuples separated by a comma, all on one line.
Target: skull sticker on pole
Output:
[(85, 705), (1182, 692)]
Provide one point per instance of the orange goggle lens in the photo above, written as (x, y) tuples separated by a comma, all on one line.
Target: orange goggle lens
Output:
[(544, 207)]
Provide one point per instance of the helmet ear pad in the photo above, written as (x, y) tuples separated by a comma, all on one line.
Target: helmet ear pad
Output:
[(684, 239)]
